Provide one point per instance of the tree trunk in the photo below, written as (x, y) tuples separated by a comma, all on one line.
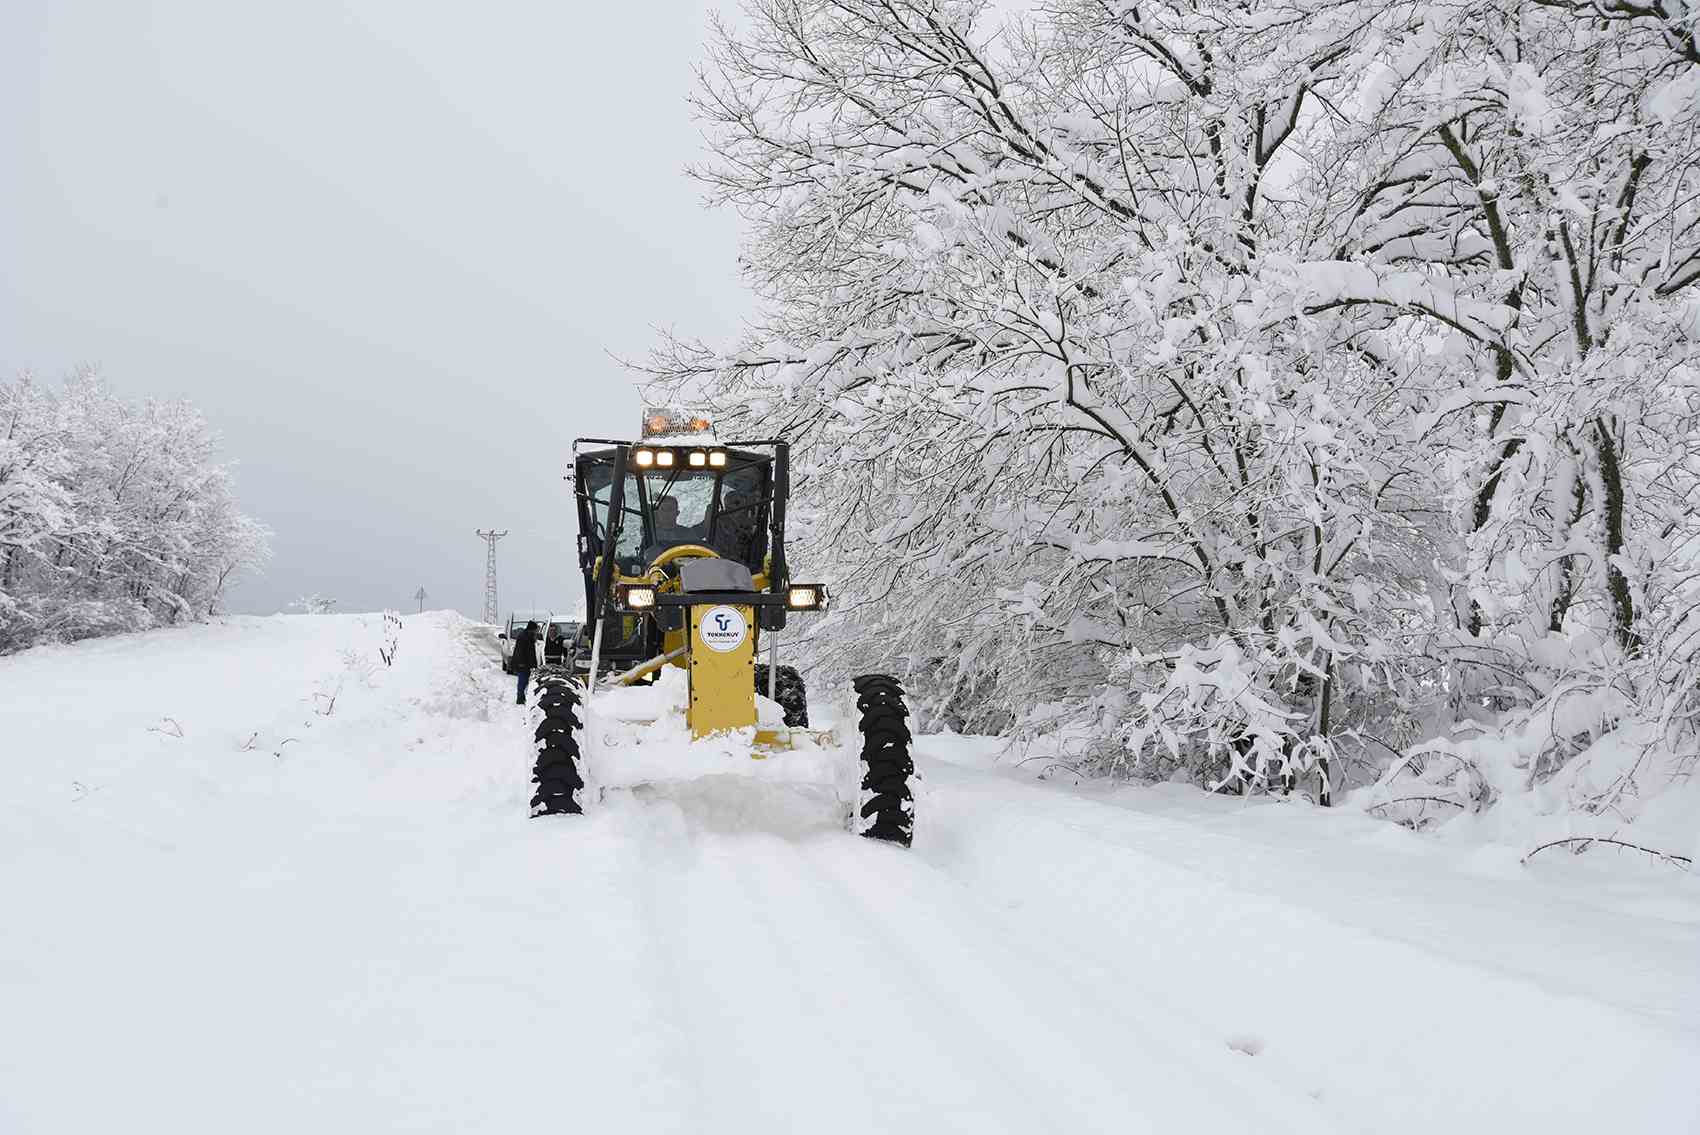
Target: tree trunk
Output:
[(1617, 584)]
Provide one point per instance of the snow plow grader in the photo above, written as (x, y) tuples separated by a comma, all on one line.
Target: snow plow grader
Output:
[(682, 549)]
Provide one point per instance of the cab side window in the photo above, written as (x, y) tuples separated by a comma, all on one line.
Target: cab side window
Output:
[(630, 547), (738, 530)]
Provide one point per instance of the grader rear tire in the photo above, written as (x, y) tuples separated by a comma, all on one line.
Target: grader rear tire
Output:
[(789, 692), (888, 804), (557, 774)]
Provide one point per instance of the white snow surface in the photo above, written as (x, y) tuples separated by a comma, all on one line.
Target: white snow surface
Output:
[(306, 916)]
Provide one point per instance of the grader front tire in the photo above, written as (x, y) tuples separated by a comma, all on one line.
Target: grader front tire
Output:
[(887, 801), (557, 774)]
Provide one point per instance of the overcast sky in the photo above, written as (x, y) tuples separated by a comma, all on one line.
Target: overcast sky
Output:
[(386, 246)]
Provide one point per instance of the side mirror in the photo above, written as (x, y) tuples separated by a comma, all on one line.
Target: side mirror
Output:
[(504, 634)]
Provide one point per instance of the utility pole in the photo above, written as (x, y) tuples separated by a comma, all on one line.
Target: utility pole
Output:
[(421, 596), (491, 611)]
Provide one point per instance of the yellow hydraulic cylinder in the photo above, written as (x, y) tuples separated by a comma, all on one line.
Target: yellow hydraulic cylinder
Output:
[(722, 668)]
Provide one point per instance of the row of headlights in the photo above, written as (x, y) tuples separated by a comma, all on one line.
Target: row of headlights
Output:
[(669, 458), (798, 597)]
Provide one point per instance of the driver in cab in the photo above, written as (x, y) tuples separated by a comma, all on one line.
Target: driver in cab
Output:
[(668, 531)]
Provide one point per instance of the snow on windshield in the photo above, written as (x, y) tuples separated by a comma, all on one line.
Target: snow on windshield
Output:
[(692, 495)]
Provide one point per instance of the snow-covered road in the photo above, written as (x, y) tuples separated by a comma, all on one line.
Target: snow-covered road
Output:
[(307, 914)]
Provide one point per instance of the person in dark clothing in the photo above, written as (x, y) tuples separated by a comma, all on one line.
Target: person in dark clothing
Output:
[(524, 658)]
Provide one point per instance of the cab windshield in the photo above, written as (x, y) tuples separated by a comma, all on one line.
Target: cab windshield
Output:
[(721, 508), (681, 505)]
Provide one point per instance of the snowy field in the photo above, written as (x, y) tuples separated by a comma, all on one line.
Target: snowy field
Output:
[(253, 880)]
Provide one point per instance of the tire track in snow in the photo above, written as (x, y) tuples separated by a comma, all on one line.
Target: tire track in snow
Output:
[(827, 968), (1180, 1076), (799, 1020), (655, 843), (767, 1045), (904, 1073)]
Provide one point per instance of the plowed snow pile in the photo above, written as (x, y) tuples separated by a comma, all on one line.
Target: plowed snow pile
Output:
[(254, 880)]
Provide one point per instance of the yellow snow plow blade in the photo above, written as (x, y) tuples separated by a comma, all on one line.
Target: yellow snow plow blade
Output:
[(722, 669)]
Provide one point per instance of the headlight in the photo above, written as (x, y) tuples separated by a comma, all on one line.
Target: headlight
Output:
[(806, 597), (644, 457), (717, 458), (664, 458), (698, 459), (637, 598)]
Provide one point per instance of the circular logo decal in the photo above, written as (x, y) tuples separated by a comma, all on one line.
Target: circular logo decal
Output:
[(723, 629)]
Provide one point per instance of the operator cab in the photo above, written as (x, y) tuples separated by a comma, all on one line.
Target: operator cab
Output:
[(676, 487), (724, 508)]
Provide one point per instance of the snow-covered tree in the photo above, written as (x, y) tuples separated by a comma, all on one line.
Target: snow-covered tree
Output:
[(1222, 386), (1517, 187), (113, 515), (1043, 400), (34, 502)]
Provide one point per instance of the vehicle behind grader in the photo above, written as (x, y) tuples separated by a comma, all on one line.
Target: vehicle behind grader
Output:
[(682, 548)]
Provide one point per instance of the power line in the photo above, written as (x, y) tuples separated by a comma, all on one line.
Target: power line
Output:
[(491, 610)]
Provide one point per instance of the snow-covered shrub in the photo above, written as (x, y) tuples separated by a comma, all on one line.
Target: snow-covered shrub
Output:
[(392, 637)]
